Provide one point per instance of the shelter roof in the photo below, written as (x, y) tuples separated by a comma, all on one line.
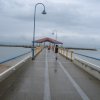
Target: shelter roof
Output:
[(48, 40)]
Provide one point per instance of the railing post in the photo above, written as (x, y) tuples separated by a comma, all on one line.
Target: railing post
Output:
[(66, 53), (71, 55), (61, 50)]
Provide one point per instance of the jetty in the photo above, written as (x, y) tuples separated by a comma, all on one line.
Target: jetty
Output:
[(45, 78)]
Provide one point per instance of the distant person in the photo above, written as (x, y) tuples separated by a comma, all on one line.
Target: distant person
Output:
[(56, 51), (49, 48), (52, 48)]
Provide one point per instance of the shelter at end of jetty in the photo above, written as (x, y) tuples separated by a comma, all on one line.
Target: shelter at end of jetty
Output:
[(50, 40)]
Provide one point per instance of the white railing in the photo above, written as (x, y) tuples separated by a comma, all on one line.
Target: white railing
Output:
[(87, 66), (11, 69)]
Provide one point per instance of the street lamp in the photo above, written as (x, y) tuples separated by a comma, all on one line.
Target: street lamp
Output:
[(33, 42), (55, 32)]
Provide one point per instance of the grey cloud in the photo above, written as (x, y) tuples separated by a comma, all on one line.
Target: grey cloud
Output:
[(81, 17)]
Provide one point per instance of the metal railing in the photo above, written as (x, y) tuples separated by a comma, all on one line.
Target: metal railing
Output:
[(37, 50), (69, 53), (82, 61), (6, 60), (87, 56)]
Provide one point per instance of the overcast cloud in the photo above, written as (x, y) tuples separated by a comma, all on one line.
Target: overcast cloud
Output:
[(76, 22)]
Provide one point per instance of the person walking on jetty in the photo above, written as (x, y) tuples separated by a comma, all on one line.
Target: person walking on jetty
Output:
[(56, 51), (49, 48)]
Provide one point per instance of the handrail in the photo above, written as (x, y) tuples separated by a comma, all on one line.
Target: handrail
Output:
[(91, 68), (87, 56), (95, 67), (14, 57), (36, 49), (72, 52)]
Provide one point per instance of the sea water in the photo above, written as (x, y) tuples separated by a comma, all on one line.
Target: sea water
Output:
[(10, 52), (93, 56)]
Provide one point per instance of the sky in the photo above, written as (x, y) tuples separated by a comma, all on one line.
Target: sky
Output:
[(76, 22)]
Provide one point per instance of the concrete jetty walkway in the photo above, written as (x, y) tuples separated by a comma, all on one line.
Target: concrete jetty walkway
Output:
[(48, 79)]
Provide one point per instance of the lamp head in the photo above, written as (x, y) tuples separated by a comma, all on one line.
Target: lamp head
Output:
[(44, 12)]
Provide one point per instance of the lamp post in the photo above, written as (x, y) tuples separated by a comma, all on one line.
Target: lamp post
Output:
[(56, 34), (33, 42)]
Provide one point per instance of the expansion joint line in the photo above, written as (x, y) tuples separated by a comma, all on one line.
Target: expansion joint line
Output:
[(47, 95), (75, 85)]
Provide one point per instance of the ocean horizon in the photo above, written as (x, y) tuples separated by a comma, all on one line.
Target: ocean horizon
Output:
[(10, 52)]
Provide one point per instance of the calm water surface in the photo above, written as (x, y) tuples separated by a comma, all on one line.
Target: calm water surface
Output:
[(10, 52), (94, 54)]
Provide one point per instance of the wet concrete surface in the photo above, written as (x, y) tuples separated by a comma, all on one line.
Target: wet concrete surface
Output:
[(9, 64), (3, 67), (31, 83)]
